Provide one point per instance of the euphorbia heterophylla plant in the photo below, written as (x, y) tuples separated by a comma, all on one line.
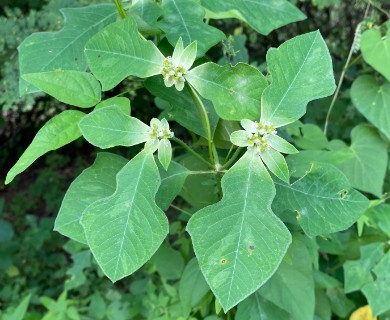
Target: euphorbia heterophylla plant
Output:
[(116, 206)]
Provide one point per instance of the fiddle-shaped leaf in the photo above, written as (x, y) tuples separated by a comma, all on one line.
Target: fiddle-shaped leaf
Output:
[(125, 229), (119, 51), (96, 182), (109, 127), (262, 15), (238, 241), (301, 70), (57, 132), (373, 101), (64, 49), (323, 199), (184, 18), (80, 89), (235, 91)]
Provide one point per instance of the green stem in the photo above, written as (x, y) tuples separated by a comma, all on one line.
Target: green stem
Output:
[(205, 118), (195, 154), (119, 6), (229, 152), (181, 210), (379, 8), (232, 159)]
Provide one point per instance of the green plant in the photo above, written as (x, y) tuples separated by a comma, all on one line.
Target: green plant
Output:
[(249, 244)]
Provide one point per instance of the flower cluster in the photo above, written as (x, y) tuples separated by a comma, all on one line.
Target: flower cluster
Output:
[(159, 135), (173, 75)]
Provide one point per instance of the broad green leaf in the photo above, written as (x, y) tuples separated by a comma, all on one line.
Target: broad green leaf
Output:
[(20, 312), (323, 199), (81, 261), (172, 181), (301, 70), (57, 132), (80, 89), (378, 291), (357, 273), (373, 101), (192, 286), (322, 307), (125, 229), (276, 163), (48, 51), (379, 216), (96, 182), (292, 287), (119, 51), (340, 304), (109, 127), (324, 281), (169, 262), (184, 18), (146, 14), (238, 241), (307, 136), (120, 102), (262, 15), (181, 107), (376, 50), (234, 90), (364, 163), (255, 307)]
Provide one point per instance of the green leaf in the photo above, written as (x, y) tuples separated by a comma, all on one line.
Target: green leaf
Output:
[(109, 127), (235, 91), (169, 262), (119, 51), (164, 153), (262, 15), (324, 200), (281, 145), (255, 307), (20, 311), (292, 287), (125, 229), (184, 18), (57, 132), (340, 304), (364, 163), (81, 261), (308, 136), (80, 89), (373, 101), (94, 183), (120, 102), (63, 49), (376, 51), (378, 291), (172, 181), (379, 216), (301, 70), (192, 286), (276, 163), (238, 241), (181, 107), (146, 14), (357, 273)]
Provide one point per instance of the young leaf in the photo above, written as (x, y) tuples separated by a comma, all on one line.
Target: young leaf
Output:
[(184, 18), (238, 241), (119, 51), (376, 51), (235, 91), (109, 127), (96, 182), (292, 287), (324, 200), (169, 262), (301, 70), (281, 145), (63, 49), (262, 15), (172, 181), (81, 261), (120, 102), (276, 163), (20, 311), (125, 229), (164, 153), (373, 101), (57, 132), (80, 89)]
